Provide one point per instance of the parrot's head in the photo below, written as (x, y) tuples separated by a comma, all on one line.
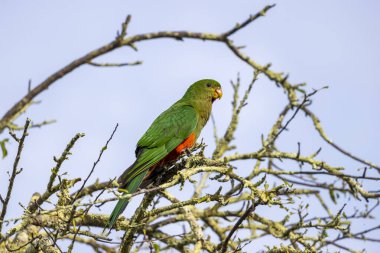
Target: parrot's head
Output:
[(205, 88)]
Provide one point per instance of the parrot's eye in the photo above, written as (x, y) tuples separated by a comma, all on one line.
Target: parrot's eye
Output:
[(208, 85)]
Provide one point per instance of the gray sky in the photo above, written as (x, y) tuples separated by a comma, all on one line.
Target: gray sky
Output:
[(322, 43)]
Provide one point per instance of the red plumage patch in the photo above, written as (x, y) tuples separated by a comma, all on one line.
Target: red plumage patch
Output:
[(187, 143)]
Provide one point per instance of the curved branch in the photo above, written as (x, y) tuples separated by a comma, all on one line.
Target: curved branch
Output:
[(118, 42)]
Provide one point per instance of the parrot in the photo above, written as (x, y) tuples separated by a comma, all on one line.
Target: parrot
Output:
[(173, 131)]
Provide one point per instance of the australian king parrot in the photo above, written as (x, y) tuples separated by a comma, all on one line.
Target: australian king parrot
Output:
[(171, 133)]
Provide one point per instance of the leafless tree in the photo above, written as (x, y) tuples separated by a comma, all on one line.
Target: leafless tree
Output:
[(227, 220)]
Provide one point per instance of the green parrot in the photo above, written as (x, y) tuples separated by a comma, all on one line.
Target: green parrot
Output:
[(171, 133)]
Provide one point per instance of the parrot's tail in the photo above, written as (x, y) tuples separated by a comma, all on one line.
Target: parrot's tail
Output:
[(122, 203)]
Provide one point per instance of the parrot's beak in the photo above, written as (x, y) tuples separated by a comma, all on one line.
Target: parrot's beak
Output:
[(218, 94)]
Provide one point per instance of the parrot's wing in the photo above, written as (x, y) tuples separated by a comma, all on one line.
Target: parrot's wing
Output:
[(168, 131)]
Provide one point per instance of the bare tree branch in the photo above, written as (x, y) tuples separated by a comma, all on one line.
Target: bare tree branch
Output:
[(15, 171)]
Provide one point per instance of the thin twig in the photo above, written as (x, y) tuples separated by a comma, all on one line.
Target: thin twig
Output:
[(95, 164), (95, 64), (88, 176), (324, 136), (237, 224), (15, 171), (248, 21), (61, 159)]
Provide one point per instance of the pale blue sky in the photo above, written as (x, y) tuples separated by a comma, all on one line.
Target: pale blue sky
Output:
[(322, 43)]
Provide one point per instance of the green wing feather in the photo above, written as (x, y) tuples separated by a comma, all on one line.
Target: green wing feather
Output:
[(169, 130)]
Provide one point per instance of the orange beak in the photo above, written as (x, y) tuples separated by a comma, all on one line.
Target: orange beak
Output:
[(218, 93)]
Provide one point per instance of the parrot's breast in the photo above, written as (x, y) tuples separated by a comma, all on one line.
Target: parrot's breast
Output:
[(187, 143), (172, 156)]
